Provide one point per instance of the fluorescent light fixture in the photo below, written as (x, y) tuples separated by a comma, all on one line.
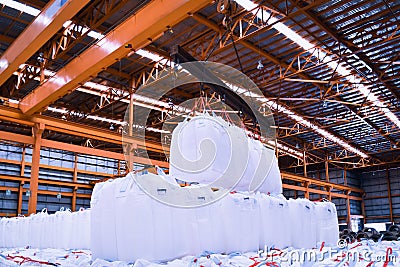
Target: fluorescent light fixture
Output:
[(21, 7), (102, 119), (3, 64), (275, 106), (306, 45)]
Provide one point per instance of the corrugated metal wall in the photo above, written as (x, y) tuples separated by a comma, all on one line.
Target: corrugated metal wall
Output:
[(377, 204), (353, 179), (57, 165)]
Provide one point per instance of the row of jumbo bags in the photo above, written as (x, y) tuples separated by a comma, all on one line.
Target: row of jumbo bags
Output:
[(63, 229), (128, 224)]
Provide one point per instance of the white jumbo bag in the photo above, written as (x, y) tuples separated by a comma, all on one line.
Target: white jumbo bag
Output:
[(199, 150), (205, 149), (63, 228), (303, 218), (10, 231), (242, 222), (207, 213), (52, 231), (134, 221), (2, 232), (107, 243), (44, 237), (327, 223), (249, 174), (275, 222), (23, 231), (271, 183), (34, 230), (80, 229), (84, 229), (96, 238)]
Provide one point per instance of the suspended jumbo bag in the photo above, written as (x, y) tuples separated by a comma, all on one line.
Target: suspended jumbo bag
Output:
[(199, 150), (205, 149), (275, 222), (271, 183), (327, 223), (303, 228), (242, 222), (253, 163)]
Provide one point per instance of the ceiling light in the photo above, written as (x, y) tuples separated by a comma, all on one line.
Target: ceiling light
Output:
[(260, 66), (112, 127), (275, 106), (306, 45), (21, 7)]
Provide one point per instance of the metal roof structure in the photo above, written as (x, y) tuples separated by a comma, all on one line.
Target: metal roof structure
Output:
[(330, 68)]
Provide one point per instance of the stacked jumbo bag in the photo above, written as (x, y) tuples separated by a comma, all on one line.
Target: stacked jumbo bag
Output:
[(64, 229), (128, 223)]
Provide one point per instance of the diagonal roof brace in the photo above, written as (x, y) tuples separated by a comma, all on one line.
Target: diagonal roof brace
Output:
[(138, 31), (45, 25)]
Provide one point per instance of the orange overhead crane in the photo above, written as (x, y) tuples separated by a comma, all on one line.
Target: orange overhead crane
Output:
[(138, 31)]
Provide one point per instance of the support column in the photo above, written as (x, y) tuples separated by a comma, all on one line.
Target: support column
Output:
[(21, 184), (37, 130), (74, 179), (119, 168), (130, 147), (20, 193), (304, 162), (328, 188), (73, 204), (307, 192), (389, 194), (75, 175), (348, 208), (327, 169), (345, 175), (22, 170), (363, 208)]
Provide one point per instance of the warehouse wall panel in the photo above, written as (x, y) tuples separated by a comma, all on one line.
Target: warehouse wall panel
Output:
[(378, 199)]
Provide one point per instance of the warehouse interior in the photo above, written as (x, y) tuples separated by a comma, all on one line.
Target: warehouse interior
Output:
[(69, 69)]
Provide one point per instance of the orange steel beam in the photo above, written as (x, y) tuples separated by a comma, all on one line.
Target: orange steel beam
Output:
[(138, 31), (71, 128), (45, 25), (79, 149), (297, 178), (34, 181)]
